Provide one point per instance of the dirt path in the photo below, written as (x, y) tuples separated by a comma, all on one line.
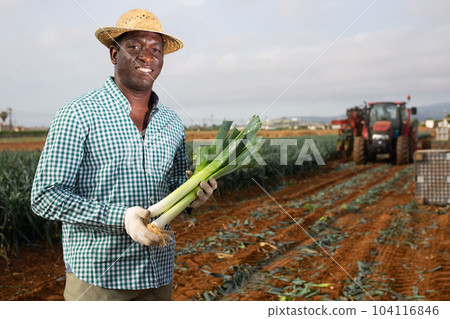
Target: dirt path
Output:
[(33, 276), (22, 146), (276, 230)]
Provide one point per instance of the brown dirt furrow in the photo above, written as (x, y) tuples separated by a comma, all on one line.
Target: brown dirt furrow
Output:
[(425, 266), (310, 219), (253, 253), (287, 237), (357, 247), (46, 288), (439, 280), (22, 146), (361, 244), (33, 276)]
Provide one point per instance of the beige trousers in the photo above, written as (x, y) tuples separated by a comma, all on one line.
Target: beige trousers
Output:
[(77, 289)]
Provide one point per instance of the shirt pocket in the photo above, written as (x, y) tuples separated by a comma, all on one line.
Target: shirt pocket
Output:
[(112, 143), (159, 153)]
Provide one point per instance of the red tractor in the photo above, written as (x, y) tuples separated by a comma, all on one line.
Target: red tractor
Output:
[(382, 128)]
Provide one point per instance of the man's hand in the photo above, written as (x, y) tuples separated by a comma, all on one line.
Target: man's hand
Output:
[(135, 226), (205, 193)]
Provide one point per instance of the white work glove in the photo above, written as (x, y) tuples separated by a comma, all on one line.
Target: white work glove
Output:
[(136, 228), (205, 193)]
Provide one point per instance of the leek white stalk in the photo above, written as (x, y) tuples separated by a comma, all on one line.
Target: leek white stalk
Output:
[(176, 209), (177, 194)]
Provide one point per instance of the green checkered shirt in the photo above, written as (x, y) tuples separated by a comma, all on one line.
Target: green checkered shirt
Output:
[(95, 164)]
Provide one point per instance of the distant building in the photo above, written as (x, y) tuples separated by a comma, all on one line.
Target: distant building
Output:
[(442, 130), (429, 124)]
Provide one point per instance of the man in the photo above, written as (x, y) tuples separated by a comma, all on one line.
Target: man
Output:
[(108, 156)]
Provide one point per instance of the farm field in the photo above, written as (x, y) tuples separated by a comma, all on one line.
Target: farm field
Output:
[(248, 248), (364, 217), (376, 242)]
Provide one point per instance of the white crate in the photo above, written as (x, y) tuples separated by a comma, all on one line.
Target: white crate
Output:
[(432, 170)]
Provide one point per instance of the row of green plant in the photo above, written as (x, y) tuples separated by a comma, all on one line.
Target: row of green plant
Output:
[(17, 222), (274, 171), (36, 133)]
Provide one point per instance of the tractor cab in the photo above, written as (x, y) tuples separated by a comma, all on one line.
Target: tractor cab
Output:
[(386, 116), (385, 122)]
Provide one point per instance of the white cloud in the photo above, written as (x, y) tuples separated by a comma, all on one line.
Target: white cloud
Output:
[(190, 3), (295, 9), (6, 6), (432, 11), (49, 37)]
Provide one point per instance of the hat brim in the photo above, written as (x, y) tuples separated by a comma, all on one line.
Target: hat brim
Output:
[(107, 35)]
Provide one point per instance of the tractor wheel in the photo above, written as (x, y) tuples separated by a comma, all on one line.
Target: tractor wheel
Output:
[(403, 150), (359, 150)]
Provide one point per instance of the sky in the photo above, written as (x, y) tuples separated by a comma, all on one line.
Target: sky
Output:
[(287, 58)]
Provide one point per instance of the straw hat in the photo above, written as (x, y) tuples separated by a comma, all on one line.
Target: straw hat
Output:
[(138, 20)]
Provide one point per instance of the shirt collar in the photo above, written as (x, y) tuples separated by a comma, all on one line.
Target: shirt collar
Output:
[(118, 96), (154, 100)]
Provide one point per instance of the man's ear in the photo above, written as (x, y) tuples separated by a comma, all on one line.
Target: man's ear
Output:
[(113, 54)]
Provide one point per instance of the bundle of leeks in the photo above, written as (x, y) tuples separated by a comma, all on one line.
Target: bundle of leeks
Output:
[(229, 151)]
